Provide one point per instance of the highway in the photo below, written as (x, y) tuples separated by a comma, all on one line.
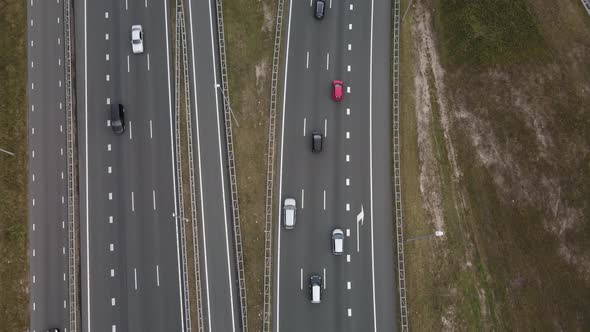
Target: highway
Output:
[(131, 278), (47, 185), (217, 252), (347, 185)]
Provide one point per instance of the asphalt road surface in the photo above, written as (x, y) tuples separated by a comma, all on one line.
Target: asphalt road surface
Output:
[(131, 278), (217, 251), (348, 184), (47, 185)]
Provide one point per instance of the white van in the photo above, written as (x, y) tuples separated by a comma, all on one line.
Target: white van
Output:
[(289, 209), (315, 288), (337, 241)]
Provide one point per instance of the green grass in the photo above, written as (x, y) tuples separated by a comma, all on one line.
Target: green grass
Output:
[(249, 29), (13, 169), (488, 31)]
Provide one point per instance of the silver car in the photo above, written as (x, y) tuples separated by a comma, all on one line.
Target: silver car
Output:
[(137, 39), (289, 209)]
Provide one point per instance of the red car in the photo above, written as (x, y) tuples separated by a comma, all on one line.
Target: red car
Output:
[(337, 88)]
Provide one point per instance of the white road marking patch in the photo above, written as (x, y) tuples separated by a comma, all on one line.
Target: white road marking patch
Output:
[(113, 301), (110, 196), (347, 158), (350, 26), (111, 247), (349, 312), (348, 258), (112, 272), (110, 169), (106, 36), (110, 219), (108, 147), (347, 207), (106, 14), (348, 285)]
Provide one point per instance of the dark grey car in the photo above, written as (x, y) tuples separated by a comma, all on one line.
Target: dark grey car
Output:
[(320, 6), (317, 140), (118, 118)]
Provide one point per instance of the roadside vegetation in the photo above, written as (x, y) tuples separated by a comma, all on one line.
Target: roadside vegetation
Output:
[(13, 169), (496, 153), (249, 30)]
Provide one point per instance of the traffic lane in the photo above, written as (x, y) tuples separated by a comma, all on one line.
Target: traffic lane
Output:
[(145, 84), (105, 303), (218, 256), (385, 286), (47, 168)]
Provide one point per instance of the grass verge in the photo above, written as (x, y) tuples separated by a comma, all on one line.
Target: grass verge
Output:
[(509, 113), (13, 169), (249, 30)]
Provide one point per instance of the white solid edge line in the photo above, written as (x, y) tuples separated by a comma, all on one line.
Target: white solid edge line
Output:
[(371, 166), (180, 298), (277, 320), (86, 168), (221, 168), (190, 9)]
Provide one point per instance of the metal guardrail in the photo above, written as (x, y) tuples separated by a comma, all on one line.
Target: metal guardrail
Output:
[(270, 164), (70, 147), (180, 217), (403, 306), (586, 4), (231, 166), (191, 167)]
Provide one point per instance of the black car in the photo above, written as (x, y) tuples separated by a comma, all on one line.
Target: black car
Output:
[(320, 6), (118, 118), (317, 139)]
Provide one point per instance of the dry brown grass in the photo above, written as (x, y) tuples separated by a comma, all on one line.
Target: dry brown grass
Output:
[(511, 145)]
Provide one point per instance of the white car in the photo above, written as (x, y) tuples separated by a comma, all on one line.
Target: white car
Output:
[(337, 241), (137, 39), (289, 208)]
